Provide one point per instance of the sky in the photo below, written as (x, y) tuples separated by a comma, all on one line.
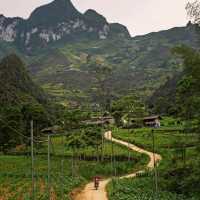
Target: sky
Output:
[(139, 16)]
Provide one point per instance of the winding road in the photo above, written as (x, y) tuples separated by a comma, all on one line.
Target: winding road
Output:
[(89, 193)]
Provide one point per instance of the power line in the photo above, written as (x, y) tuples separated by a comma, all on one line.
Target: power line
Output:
[(20, 134)]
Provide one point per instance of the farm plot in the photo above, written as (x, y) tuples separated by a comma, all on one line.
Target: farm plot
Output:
[(66, 171), (178, 173)]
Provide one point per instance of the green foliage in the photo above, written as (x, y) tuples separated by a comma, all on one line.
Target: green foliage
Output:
[(164, 140), (93, 136), (188, 95), (139, 189), (16, 85), (78, 132), (15, 177), (178, 172), (11, 124), (15, 124), (186, 179), (21, 100), (73, 118), (142, 62), (185, 87), (128, 107), (17, 182), (102, 89)]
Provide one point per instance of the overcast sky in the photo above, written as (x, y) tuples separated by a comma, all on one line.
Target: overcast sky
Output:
[(140, 16)]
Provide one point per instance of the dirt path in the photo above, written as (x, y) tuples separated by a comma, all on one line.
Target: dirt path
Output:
[(89, 193)]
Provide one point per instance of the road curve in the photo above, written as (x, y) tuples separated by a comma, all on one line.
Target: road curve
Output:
[(89, 193)]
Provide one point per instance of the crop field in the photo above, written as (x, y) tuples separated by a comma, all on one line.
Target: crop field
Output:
[(66, 173), (164, 138), (139, 189), (177, 149), (15, 176)]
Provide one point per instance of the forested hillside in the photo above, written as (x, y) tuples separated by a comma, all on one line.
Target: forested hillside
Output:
[(21, 100)]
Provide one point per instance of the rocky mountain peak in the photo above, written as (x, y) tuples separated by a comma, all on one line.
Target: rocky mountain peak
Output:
[(53, 13), (94, 18), (58, 20)]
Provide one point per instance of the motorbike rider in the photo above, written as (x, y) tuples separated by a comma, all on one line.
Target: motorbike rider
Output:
[(96, 182)]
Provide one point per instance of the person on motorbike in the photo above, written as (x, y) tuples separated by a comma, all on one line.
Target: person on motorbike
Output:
[(96, 182)]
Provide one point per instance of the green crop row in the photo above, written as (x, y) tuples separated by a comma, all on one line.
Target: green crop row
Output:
[(139, 189)]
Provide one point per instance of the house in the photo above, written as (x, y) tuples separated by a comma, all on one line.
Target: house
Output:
[(152, 121)]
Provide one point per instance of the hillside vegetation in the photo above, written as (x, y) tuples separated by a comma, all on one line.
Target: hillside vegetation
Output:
[(21, 100)]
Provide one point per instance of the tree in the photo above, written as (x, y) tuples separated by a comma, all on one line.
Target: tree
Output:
[(193, 11), (11, 128), (93, 138), (129, 107), (188, 94), (38, 114), (73, 119)]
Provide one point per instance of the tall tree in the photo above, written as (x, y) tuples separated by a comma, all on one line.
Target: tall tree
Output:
[(129, 106), (188, 93), (11, 128)]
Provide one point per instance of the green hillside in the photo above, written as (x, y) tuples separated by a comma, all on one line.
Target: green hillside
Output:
[(16, 86), (21, 100), (59, 43), (143, 63)]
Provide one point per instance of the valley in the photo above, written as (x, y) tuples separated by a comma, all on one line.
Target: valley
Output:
[(89, 112)]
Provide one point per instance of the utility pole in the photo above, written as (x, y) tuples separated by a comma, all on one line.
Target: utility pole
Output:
[(129, 153), (102, 147), (112, 166), (49, 169), (62, 168), (155, 166), (32, 162)]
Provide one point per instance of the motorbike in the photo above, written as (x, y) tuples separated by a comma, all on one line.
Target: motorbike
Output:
[(96, 185), (96, 182)]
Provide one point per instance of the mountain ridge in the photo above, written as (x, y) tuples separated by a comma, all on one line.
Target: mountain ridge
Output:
[(60, 66), (58, 20)]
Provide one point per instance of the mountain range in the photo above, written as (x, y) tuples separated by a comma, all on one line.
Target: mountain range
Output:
[(58, 42), (57, 21)]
